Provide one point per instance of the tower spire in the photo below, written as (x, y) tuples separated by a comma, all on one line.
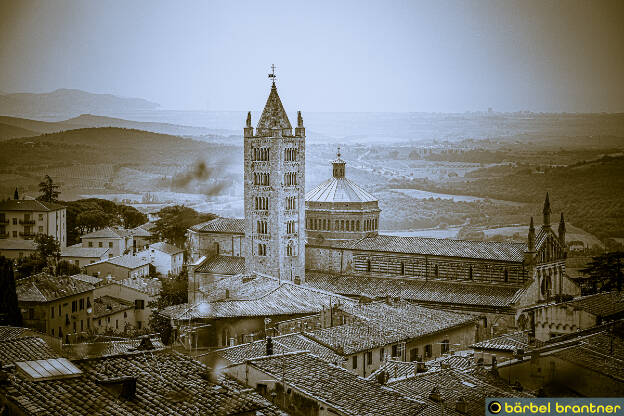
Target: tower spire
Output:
[(547, 211)]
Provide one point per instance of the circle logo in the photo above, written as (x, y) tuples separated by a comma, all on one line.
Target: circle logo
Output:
[(495, 407)]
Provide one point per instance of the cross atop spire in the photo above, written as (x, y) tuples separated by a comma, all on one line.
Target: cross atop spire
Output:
[(272, 74)]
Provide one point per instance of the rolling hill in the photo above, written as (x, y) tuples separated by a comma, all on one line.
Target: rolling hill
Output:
[(69, 101), (35, 127)]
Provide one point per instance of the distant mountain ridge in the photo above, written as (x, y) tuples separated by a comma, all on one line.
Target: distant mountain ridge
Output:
[(69, 101), (13, 127)]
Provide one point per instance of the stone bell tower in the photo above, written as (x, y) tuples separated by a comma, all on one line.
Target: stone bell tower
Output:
[(274, 193)]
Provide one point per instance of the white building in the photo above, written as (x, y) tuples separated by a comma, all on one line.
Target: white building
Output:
[(167, 258)]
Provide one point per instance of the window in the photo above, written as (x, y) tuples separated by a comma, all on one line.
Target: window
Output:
[(290, 179), (414, 354), (291, 202), (290, 155), (139, 324), (216, 248), (262, 227), (77, 263), (470, 273), (262, 249), (14, 234), (110, 244), (139, 304), (81, 304), (262, 203), (290, 250), (90, 243), (59, 314), (395, 350), (116, 323), (381, 354), (88, 302), (74, 326), (40, 217), (100, 244), (369, 357), (81, 325), (445, 346), (31, 314), (436, 271), (368, 265), (52, 312), (357, 225), (125, 315), (40, 229), (88, 323), (402, 268), (14, 221), (52, 332), (428, 351), (506, 275), (74, 306), (260, 154), (290, 227), (354, 362), (261, 178), (99, 322)]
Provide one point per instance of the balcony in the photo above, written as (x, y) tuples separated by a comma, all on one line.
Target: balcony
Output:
[(27, 222)]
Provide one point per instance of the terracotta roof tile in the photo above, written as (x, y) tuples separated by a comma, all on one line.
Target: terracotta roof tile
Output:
[(166, 248), (222, 265), (168, 384), (107, 305), (221, 225), (473, 294), (29, 205), (339, 190), (273, 116), (507, 342), (25, 349), (486, 250), (336, 386), (43, 287)]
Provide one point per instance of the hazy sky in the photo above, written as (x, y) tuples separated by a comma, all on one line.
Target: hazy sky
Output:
[(331, 55)]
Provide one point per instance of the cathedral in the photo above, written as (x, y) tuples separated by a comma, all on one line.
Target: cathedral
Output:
[(328, 239)]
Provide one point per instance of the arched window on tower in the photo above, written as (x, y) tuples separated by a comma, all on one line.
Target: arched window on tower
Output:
[(402, 268), (357, 225), (368, 265), (506, 274)]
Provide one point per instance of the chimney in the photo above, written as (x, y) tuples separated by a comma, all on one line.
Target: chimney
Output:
[(435, 395), (421, 367), (494, 369), (461, 406), (269, 346), (382, 377), (128, 388)]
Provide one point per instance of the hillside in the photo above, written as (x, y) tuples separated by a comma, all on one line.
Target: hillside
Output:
[(112, 159), (92, 121), (590, 193), (8, 131), (69, 101)]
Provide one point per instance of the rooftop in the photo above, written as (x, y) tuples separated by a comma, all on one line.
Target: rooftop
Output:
[(79, 251), (29, 205), (107, 305), (221, 225), (260, 296), (168, 383), (108, 232), (602, 352), (507, 342), (24, 349), (143, 230), (146, 285), (222, 265), (166, 248), (127, 261), (339, 190), (110, 348), (281, 343), (87, 279), (378, 324), (15, 332), (339, 388), (401, 369), (43, 287), (423, 291), (600, 304), (486, 250), (453, 385)]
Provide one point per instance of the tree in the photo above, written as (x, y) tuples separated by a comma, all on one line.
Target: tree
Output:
[(48, 190), (131, 217), (65, 268), (175, 220), (48, 247), (174, 291), (9, 310), (606, 270), (29, 265)]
